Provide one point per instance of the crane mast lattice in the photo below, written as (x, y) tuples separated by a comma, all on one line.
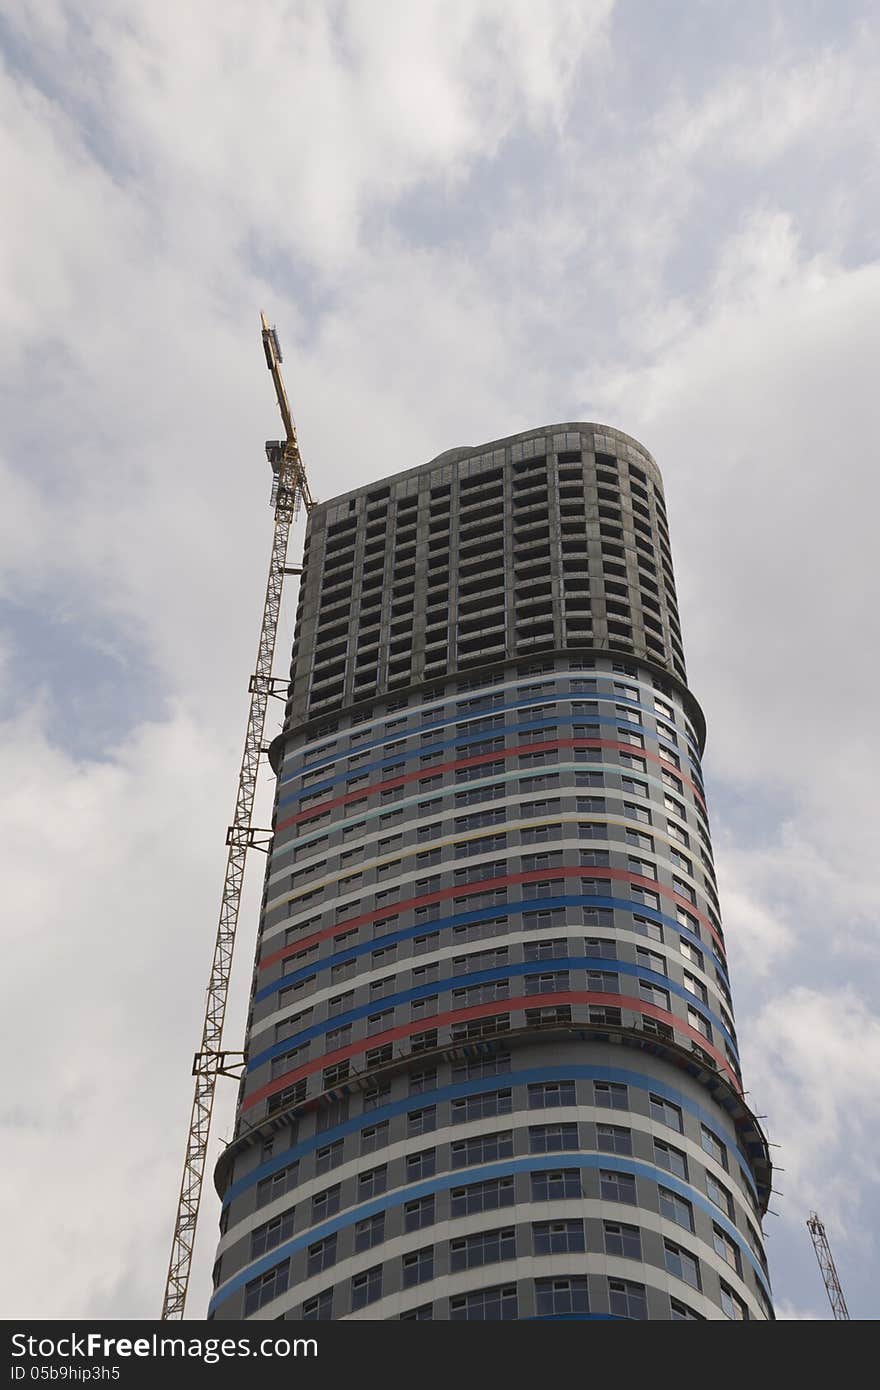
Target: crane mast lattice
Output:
[(827, 1268), (290, 491)]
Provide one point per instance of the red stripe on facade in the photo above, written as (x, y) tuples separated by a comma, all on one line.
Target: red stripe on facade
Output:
[(529, 1001), (475, 761)]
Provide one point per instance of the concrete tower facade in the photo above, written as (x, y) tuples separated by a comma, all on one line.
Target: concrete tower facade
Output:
[(492, 1064)]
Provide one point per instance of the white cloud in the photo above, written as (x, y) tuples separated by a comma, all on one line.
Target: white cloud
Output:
[(288, 129), (758, 114), (762, 419), (787, 1312), (817, 1053), (112, 878)]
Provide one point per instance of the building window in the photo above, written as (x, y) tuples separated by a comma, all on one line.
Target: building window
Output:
[(319, 1308), (690, 952), (486, 1247), (423, 1314), (485, 1305), (542, 950), (420, 1042), (611, 1094), (556, 1186), (655, 1026), (600, 946), (422, 1121), (268, 1286), (544, 1095), (683, 889), (419, 1214), (725, 1247), (670, 1158), (603, 981), (481, 1067), (713, 1146), (376, 1097), (482, 1196), (558, 1237), (484, 1148), (613, 1139), (625, 1241), (690, 923), (680, 1312), (321, 1255), (641, 841), (418, 1266), (325, 1204), (627, 1300), (369, 1232), (719, 1195), (374, 1137), (732, 1305), (333, 1075), (330, 1156), (682, 1264), (647, 899), (277, 1184), (701, 1024), (421, 1165), (366, 1288), (550, 982), (481, 1106), (423, 1080), (266, 1237), (654, 994), (665, 1113), (378, 1023), (645, 927), (561, 1297), (651, 960), (372, 1183), (551, 1138), (617, 1187), (675, 1208), (422, 944)]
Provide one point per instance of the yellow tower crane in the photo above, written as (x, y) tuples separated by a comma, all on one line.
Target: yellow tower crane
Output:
[(290, 491)]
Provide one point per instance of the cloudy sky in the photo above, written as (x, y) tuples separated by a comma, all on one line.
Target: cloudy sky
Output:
[(466, 218)]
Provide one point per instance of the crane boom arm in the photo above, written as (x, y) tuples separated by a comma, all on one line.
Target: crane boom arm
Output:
[(272, 349), (827, 1268)]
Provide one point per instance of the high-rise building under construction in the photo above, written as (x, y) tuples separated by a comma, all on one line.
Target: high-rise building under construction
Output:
[(492, 1070)]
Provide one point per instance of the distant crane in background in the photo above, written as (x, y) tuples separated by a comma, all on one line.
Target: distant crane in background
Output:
[(827, 1268), (290, 491)]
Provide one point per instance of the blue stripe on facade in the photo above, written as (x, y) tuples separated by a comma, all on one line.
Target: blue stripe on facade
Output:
[(486, 1173), (577, 1317), (508, 776), (443, 985), (487, 914), (482, 736), (419, 1099), (552, 696)]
